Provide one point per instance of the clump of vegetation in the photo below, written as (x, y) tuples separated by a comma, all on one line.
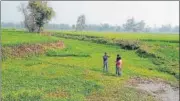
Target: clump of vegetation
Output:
[(61, 53), (128, 44), (125, 44), (145, 53), (27, 50)]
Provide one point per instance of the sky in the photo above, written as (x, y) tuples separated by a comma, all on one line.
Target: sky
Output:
[(97, 12)]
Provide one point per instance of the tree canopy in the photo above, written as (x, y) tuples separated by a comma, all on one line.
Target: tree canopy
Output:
[(36, 15), (81, 23)]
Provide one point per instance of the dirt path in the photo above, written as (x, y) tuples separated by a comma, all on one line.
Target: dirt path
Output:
[(160, 90)]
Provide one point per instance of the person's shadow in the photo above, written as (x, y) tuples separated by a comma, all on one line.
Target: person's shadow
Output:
[(108, 74), (103, 72)]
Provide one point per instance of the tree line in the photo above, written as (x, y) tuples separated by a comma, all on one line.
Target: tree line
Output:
[(94, 27), (37, 14)]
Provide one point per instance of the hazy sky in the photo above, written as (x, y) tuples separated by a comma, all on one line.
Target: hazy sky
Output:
[(96, 12)]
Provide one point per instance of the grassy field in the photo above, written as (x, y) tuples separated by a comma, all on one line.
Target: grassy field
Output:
[(161, 49), (16, 37), (75, 72)]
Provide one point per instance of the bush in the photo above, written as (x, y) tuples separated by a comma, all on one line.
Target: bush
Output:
[(145, 53), (65, 54), (129, 44)]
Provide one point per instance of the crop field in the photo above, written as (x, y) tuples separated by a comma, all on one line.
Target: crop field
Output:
[(126, 35), (74, 72), (13, 38)]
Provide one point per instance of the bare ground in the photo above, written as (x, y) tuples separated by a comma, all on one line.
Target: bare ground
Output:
[(159, 89)]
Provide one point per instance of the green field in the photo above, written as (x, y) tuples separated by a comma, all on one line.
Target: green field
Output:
[(131, 36), (13, 38), (75, 72)]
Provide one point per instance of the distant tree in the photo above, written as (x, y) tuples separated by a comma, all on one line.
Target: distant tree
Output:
[(36, 15), (155, 28), (105, 27), (133, 26), (165, 28), (29, 22), (139, 27), (81, 23), (175, 29), (73, 27), (41, 12), (117, 28), (129, 25), (147, 29)]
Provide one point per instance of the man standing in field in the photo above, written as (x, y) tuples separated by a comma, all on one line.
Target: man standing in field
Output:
[(105, 62), (118, 65)]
